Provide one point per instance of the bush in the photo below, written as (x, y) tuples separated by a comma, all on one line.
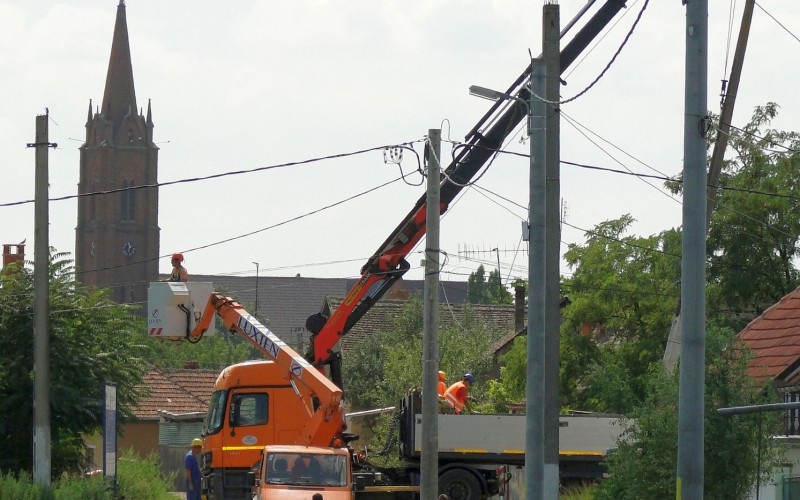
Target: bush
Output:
[(141, 478), (82, 488), (21, 488), (136, 479)]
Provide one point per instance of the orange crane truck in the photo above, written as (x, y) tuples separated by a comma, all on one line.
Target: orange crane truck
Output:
[(287, 399)]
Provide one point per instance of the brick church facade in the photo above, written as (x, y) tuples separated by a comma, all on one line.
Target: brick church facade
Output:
[(117, 234)]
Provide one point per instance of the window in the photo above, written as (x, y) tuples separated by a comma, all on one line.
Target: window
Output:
[(791, 417), (216, 409), (249, 409), (127, 210), (93, 203), (306, 469)]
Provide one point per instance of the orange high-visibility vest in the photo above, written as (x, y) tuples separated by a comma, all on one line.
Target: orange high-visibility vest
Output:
[(442, 388), (456, 396)]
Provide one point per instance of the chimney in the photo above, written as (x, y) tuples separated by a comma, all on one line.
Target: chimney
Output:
[(398, 291), (15, 257), (519, 307)]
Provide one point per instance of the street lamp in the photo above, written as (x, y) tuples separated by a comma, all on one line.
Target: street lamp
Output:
[(499, 276), (256, 263), (495, 95), (535, 393)]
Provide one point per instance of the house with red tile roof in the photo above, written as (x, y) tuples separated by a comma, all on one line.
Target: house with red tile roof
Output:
[(774, 340), (167, 418)]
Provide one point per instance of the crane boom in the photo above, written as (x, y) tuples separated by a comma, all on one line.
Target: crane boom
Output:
[(388, 264), (323, 398)]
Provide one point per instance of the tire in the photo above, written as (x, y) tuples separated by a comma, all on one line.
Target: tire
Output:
[(459, 484)]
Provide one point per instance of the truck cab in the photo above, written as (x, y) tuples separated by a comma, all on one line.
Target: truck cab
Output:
[(294, 472)]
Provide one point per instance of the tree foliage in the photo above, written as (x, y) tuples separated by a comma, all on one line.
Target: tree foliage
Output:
[(623, 292), (754, 230), (481, 290), (645, 462), (383, 367), (92, 340)]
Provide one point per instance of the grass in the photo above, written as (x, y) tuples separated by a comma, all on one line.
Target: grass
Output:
[(137, 478)]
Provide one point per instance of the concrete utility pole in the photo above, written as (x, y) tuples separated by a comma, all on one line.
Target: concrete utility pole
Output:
[(41, 308), (691, 472), (672, 351), (551, 53), (535, 370), (429, 481)]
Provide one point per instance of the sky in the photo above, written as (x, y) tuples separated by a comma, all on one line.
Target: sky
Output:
[(243, 84)]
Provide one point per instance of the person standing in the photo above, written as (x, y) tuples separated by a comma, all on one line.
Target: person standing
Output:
[(179, 272), (191, 462), (442, 384), (457, 394)]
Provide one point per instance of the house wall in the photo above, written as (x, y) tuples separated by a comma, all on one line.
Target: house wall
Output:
[(172, 463), (142, 437)]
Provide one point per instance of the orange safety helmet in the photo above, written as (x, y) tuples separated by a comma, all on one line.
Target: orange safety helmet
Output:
[(177, 256), (442, 377)]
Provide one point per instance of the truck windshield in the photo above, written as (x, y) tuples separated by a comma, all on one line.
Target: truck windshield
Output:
[(306, 469), (216, 409)]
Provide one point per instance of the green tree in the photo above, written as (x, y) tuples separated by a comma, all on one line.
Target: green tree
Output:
[(645, 463), (481, 290), (623, 292), (382, 368), (752, 244), (754, 230), (92, 340)]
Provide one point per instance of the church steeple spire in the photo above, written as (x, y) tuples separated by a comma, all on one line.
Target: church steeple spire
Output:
[(119, 96)]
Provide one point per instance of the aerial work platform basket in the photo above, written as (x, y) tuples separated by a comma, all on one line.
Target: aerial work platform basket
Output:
[(173, 309)]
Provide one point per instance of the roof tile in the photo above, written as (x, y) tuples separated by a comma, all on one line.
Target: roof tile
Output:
[(774, 337)]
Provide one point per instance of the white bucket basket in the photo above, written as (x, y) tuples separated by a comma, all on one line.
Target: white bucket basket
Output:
[(173, 309)]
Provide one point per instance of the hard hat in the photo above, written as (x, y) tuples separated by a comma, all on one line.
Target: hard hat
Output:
[(442, 376), (197, 442), (469, 377), (178, 255)]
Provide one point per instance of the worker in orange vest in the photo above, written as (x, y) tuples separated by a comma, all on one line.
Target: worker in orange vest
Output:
[(442, 384), (456, 395)]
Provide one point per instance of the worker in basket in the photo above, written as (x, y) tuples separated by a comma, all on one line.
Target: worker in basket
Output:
[(457, 395), (179, 273)]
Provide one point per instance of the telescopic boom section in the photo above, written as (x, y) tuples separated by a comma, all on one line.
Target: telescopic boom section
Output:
[(388, 264), (323, 397)]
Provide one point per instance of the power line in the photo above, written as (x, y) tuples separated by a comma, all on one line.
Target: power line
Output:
[(778, 22), (224, 174)]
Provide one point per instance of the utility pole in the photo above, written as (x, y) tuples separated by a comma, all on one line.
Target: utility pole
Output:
[(535, 369), (429, 481), (41, 308), (551, 53), (256, 263), (672, 351), (691, 472)]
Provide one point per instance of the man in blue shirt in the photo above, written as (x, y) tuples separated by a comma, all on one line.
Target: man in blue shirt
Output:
[(192, 465)]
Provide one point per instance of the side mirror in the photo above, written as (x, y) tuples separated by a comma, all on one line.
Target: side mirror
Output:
[(359, 484), (252, 480)]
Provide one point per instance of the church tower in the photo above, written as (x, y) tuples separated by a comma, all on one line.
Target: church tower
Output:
[(117, 236)]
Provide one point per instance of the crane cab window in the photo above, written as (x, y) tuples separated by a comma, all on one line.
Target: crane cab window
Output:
[(216, 411), (249, 409)]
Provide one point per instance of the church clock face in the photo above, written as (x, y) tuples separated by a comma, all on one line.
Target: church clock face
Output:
[(128, 249)]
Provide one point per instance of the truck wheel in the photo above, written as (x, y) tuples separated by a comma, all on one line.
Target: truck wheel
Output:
[(459, 484)]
